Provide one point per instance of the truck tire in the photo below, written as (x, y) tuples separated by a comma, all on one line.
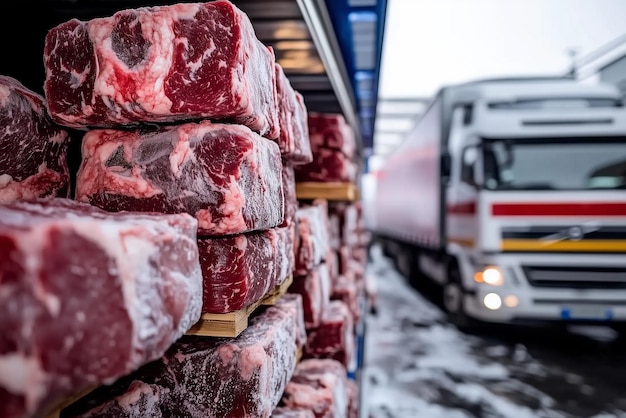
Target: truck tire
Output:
[(453, 299)]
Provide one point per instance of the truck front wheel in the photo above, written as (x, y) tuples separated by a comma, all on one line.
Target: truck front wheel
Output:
[(453, 299)]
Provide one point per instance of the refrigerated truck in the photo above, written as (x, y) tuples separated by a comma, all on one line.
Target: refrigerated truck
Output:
[(511, 196)]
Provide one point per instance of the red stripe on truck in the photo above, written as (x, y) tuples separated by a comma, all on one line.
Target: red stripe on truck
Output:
[(464, 208), (558, 209)]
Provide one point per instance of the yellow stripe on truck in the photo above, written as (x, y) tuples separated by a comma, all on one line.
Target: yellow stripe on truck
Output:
[(565, 246)]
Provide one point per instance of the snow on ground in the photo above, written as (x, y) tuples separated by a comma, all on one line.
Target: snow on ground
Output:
[(418, 365)]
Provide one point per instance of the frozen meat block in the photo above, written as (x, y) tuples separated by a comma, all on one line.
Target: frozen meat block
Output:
[(315, 291), (353, 399), (328, 166), (286, 257), (226, 176), (312, 243), (161, 64), (33, 149), (292, 115), (207, 377), (332, 261), (88, 296), (348, 290), (334, 337), (289, 192), (292, 303), (348, 215), (239, 270), (346, 263), (319, 385), (331, 131), (284, 412), (303, 153)]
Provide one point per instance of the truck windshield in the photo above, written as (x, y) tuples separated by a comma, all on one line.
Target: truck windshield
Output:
[(547, 164)]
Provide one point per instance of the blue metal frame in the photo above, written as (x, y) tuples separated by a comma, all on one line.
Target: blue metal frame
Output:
[(365, 81)]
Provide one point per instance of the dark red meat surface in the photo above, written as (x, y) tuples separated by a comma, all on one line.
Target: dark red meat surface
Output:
[(88, 296), (207, 377), (33, 149)]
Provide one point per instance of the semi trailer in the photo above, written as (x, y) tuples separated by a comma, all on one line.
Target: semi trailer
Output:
[(510, 195)]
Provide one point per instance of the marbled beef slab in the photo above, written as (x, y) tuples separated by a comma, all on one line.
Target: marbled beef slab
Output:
[(330, 131), (227, 176), (161, 64), (239, 270), (33, 149), (88, 296)]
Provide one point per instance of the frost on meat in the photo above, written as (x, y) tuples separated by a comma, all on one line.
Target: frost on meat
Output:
[(33, 149), (293, 304), (312, 243), (289, 191), (161, 64), (226, 176), (319, 385), (239, 270), (207, 377), (285, 412), (88, 296), (294, 133)]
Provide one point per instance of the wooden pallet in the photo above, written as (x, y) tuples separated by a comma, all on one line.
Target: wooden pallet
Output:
[(233, 323), (328, 191), (55, 412)]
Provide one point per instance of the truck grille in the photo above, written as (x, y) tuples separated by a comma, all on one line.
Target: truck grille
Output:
[(576, 277)]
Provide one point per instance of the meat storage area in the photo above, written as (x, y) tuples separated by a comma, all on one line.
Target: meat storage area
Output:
[(181, 227)]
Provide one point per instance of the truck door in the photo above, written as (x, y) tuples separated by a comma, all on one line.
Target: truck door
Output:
[(462, 190)]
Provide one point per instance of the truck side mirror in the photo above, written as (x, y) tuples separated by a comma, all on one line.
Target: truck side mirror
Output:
[(446, 164), (470, 173)]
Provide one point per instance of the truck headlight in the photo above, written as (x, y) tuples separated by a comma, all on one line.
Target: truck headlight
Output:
[(490, 275), (492, 301)]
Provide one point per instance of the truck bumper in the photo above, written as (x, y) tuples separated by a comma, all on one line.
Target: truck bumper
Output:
[(522, 300)]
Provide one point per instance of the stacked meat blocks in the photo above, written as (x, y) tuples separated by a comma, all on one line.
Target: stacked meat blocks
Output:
[(86, 296), (185, 204), (331, 251)]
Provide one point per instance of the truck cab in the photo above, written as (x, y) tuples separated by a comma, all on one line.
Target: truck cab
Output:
[(511, 195)]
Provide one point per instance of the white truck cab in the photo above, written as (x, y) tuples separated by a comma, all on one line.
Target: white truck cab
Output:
[(511, 194)]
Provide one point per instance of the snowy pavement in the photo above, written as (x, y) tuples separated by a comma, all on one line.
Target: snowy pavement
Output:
[(419, 365)]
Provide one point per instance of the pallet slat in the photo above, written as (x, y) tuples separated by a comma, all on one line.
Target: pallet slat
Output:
[(328, 191), (234, 323)]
